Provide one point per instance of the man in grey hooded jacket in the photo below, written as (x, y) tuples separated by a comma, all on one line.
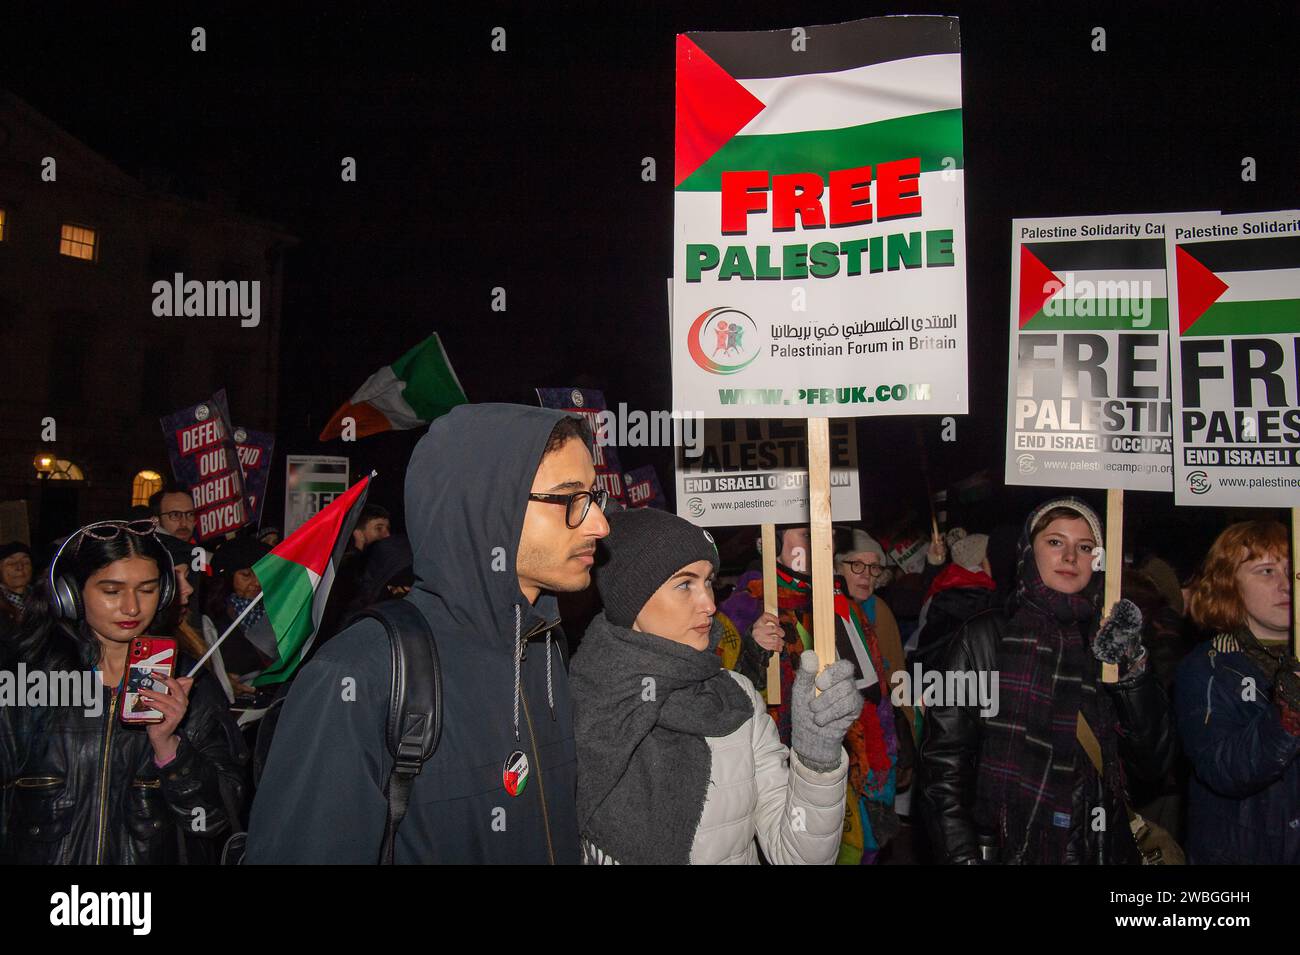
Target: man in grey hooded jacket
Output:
[(494, 536)]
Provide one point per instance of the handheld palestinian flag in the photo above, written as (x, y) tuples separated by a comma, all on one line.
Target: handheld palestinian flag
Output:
[(296, 578), (412, 391)]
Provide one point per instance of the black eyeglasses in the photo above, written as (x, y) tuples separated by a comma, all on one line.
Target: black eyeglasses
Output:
[(862, 567), (578, 503), (177, 515)]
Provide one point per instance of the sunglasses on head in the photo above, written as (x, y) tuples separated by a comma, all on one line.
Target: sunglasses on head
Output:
[(111, 530)]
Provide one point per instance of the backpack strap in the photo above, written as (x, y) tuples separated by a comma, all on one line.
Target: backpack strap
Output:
[(414, 722)]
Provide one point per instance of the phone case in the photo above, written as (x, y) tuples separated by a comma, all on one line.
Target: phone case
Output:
[(147, 659)]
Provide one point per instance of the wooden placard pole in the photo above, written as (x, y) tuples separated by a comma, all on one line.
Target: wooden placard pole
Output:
[(770, 606), (1295, 577), (821, 562), (1114, 566)]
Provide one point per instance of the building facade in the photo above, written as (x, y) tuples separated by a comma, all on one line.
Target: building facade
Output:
[(87, 367)]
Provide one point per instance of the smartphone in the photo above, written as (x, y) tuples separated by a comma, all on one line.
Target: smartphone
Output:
[(147, 659)]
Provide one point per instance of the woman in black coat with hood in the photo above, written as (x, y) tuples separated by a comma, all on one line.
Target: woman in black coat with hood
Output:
[(1013, 783)]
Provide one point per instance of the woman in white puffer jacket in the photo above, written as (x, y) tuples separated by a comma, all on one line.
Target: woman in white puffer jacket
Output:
[(678, 761)]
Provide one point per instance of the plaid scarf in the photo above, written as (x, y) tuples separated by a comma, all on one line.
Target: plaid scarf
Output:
[(1030, 759)]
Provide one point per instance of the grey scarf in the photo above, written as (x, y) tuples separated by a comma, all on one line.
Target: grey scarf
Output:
[(643, 706)]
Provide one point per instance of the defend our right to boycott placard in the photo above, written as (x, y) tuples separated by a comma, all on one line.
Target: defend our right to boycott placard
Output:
[(204, 459), (1235, 287)]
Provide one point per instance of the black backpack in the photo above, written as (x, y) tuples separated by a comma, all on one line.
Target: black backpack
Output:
[(414, 721), (414, 706)]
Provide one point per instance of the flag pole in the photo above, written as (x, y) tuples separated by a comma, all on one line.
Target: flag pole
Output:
[(212, 649), (1114, 558), (822, 564), (770, 606)]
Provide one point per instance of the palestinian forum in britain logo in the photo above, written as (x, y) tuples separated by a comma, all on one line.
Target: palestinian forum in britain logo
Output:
[(723, 340)]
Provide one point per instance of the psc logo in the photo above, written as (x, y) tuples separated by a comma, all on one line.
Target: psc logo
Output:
[(723, 340), (1198, 482), (1026, 464)]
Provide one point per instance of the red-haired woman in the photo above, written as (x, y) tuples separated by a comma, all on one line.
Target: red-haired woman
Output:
[(1237, 698)]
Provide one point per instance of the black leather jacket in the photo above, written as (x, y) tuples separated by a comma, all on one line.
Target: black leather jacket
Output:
[(79, 789), (951, 745)]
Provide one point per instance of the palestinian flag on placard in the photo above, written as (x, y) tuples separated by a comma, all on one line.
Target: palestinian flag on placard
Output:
[(415, 389), (1088, 284), (1239, 286), (842, 96), (296, 578)]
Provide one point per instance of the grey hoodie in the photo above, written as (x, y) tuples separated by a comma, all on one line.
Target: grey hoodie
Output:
[(322, 797)]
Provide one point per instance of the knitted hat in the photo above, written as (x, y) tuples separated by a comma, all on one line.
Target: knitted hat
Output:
[(238, 554), (1165, 578), (644, 548), (385, 559), (1075, 504), (14, 547), (968, 550), (861, 543), (182, 552)]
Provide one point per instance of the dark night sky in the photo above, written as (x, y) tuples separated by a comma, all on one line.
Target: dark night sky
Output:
[(478, 169)]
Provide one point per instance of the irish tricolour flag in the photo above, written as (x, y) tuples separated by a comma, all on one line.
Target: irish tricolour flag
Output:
[(412, 391), (296, 578)]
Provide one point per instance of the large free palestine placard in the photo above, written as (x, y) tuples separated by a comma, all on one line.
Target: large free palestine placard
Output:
[(1088, 372), (819, 232), (756, 472), (1235, 289)]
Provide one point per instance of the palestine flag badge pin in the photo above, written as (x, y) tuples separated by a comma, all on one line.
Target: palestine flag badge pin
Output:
[(515, 774)]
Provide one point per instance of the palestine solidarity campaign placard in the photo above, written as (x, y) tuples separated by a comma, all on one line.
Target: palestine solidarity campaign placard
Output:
[(1235, 287), (1088, 391), (819, 265)]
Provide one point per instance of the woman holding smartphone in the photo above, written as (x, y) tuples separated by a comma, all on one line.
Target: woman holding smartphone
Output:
[(78, 785)]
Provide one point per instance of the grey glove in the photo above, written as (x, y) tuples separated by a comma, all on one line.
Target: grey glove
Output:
[(818, 723), (1120, 638)]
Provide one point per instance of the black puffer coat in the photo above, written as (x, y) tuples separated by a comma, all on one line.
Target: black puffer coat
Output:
[(84, 790)]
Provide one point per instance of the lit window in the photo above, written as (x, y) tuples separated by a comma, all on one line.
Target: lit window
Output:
[(2, 224), (145, 485), (78, 242), (50, 468)]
